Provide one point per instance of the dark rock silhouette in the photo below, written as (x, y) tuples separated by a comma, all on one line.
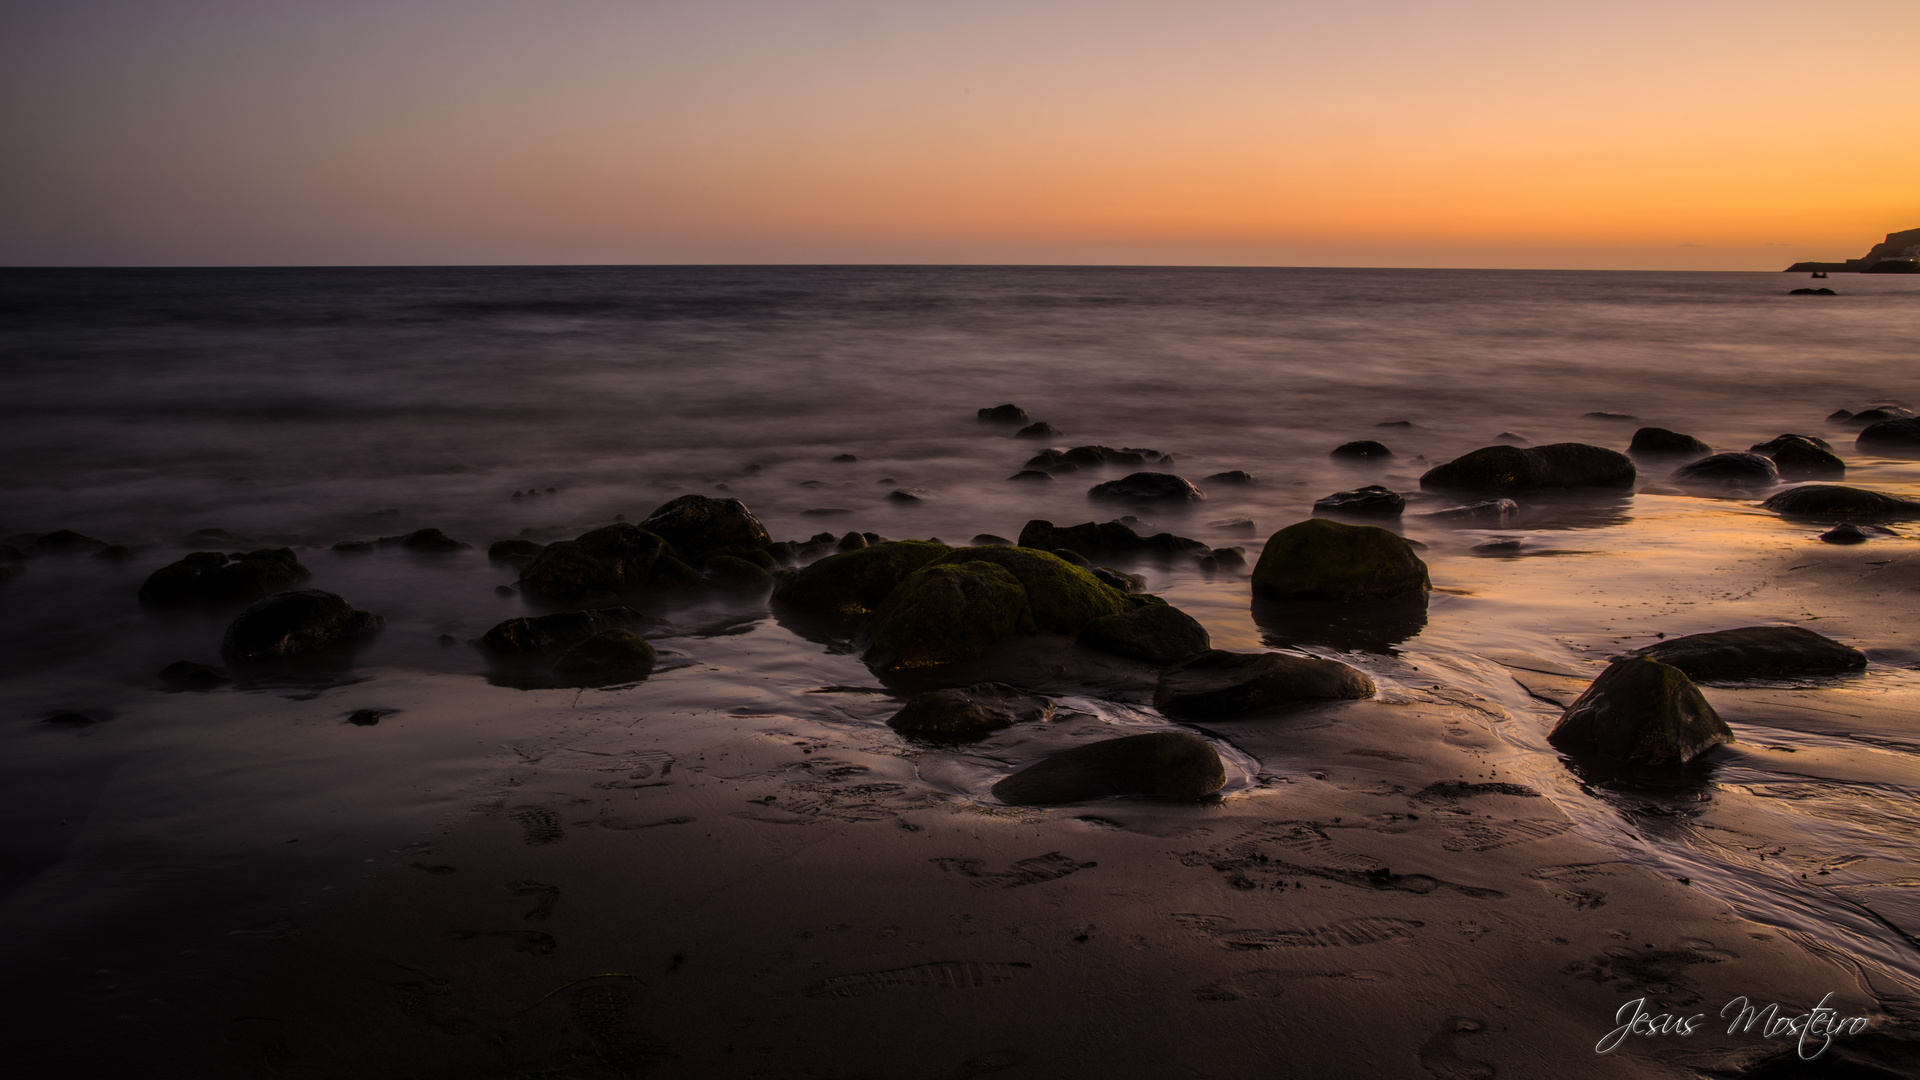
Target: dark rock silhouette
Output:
[(292, 624), (1318, 559), (1514, 469), (1372, 501), (1640, 711), (1835, 502), (1660, 442), (1756, 652), (209, 578), (969, 710), (1220, 685), (1150, 487), (1164, 763)]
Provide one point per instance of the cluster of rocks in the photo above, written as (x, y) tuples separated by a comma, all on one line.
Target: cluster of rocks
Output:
[(19, 548)]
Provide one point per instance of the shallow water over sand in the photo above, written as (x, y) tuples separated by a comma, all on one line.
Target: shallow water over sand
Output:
[(303, 408)]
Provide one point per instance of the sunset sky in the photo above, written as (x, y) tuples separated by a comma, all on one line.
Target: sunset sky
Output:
[(1686, 134)]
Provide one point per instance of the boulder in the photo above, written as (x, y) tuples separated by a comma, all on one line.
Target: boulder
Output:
[(1220, 685), (1003, 414), (1897, 437), (699, 528), (208, 578), (530, 635), (1164, 763), (1642, 712), (734, 574), (1052, 461), (514, 553), (1845, 533), (192, 675), (1125, 582), (65, 541), (852, 584), (1880, 413), (1155, 632), (1361, 450), (1839, 416), (1063, 598), (1801, 457), (969, 710), (853, 541), (1834, 502), (1756, 652), (1318, 559), (908, 495), (1516, 469), (1040, 430), (946, 613), (1736, 470), (1658, 442), (1103, 540), (1147, 486), (1091, 456), (432, 541), (1372, 501), (1232, 478), (608, 561), (293, 624), (1608, 416), (609, 656)]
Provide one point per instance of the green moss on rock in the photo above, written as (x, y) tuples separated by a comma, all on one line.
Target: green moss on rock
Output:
[(608, 561), (209, 577), (1319, 559), (1064, 597), (1157, 633), (608, 656), (946, 613), (853, 583)]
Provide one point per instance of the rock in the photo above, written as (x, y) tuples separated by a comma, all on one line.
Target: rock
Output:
[(1811, 292), (845, 457), (364, 717), (1063, 598), (1899, 437), (1318, 559), (70, 719), (1371, 501), (699, 528), (1155, 487), (735, 574), (852, 584), (532, 635), (944, 614), (1092, 456), (1052, 461), (1643, 712), (608, 561), (1839, 416), (1232, 478), (1219, 685), (990, 540), (1608, 416), (1659, 442), (852, 541), (1513, 438), (64, 541), (1756, 652), (514, 553), (1235, 526), (1164, 763), (970, 710), (1155, 632), (1232, 558), (908, 495), (608, 656), (1041, 430), (1126, 583), (1834, 502), (431, 540), (1361, 450), (1105, 540), (1801, 457), (293, 624), (192, 675), (1495, 511), (208, 578), (1072, 556), (1396, 423), (1004, 414), (1844, 534), (1728, 470), (1514, 469), (1875, 415), (1031, 474)]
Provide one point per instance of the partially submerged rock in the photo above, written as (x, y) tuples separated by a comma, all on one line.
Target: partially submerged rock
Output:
[(1658, 442), (853, 583), (1106, 540), (514, 553), (1361, 450), (1220, 685), (614, 655), (946, 613), (608, 561), (431, 541), (530, 635), (1232, 478), (969, 710), (698, 528), (1899, 437), (1835, 502), (1318, 559), (65, 541), (1737, 470), (733, 574), (296, 623), (1164, 763), (1372, 501), (1515, 469), (1756, 652), (209, 577), (1039, 430), (1803, 457), (1003, 414), (1148, 486), (1153, 631), (1643, 712)]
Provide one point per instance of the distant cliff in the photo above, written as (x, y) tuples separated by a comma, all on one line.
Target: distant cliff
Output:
[(1899, 253)]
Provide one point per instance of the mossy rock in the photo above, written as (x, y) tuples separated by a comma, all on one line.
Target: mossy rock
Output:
[(852, 584), (1319, 559), (1641, 712), (1165, 763), (970, 710), (1156, 633), (208, 577), (1220, 685), (946, 613), (610, 560), (736, 575), (698, 527), (609, 656), (292, 624), (530, 635), (1510, 470), (1756, 652), (1063, 597)]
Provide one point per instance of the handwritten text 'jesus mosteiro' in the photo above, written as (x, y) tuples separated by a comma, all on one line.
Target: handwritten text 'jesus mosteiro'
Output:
[(1821, 1024)]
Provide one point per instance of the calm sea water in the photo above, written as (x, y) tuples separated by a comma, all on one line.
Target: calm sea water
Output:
[(306, 407)]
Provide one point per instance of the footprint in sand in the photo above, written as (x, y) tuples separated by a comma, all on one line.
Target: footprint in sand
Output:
[(1660, 974), (539, 825), (526, 941), (1490, 835), (607, 1014), (547, 895), (1441, 1055), (1370, 930), (945, 976), (1273, 982), (1565, 881), (1049, 867)]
